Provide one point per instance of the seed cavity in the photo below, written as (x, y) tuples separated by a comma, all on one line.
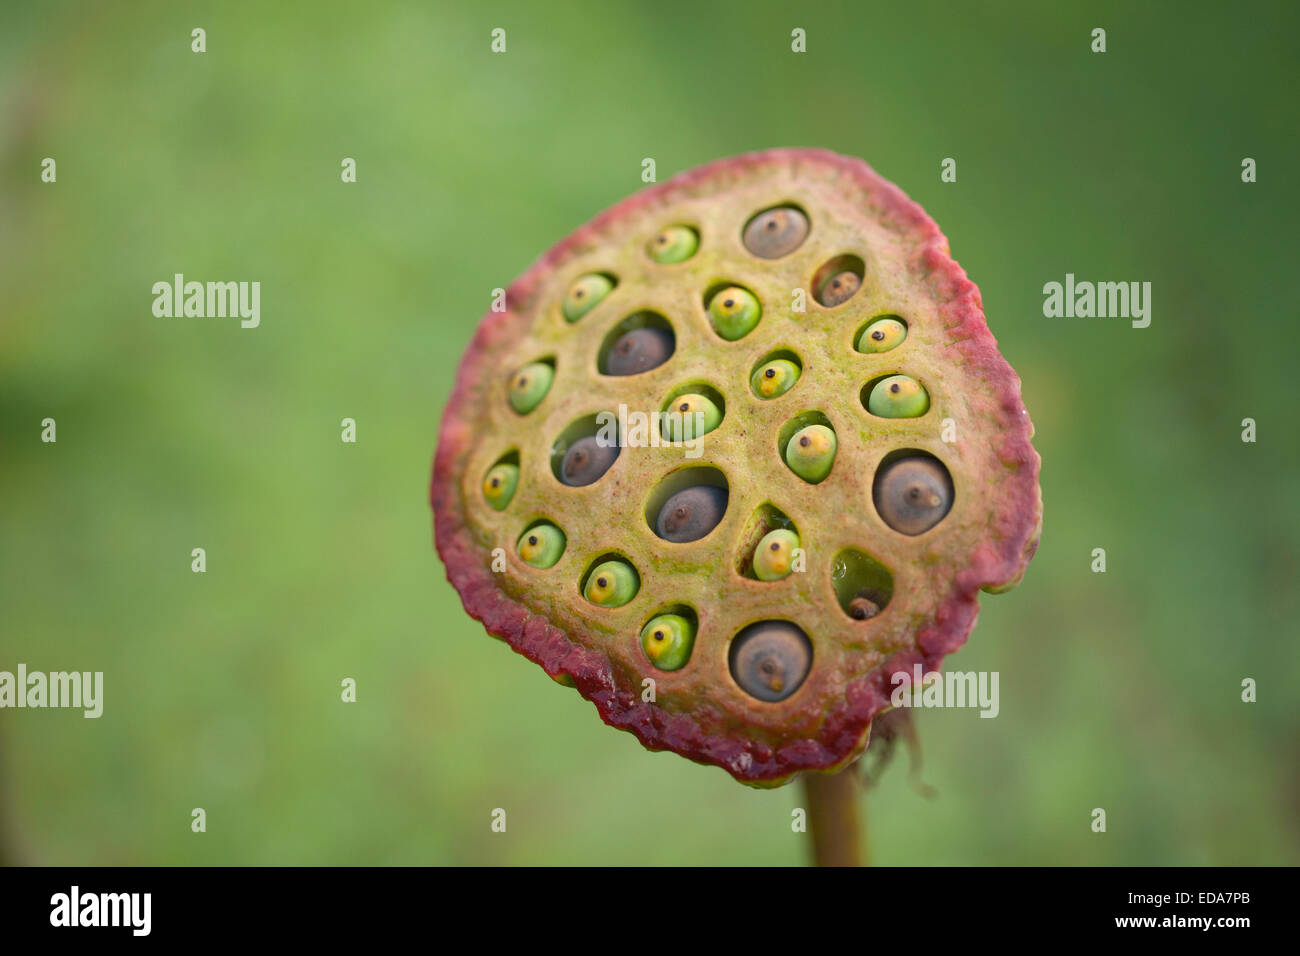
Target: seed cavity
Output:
[(863, 586), (912, 492), (687, 504), (499, 484), (881, 335), (809, 446), (639, 343), (774, 556), (529, 385), (733, 311), (612, 582), (668, 639), (770, 659), (586, 293), (775, 232), (896, 396), (775, 374), (690, 412), (838, 280), (586, 461), (541, 544), (675, 244)]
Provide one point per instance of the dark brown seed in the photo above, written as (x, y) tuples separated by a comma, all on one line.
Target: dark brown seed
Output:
[(691, 513), (586, 460), (840, 289), (912, 495), (770, 659), (639, 351), (776, 232), (862, 608)]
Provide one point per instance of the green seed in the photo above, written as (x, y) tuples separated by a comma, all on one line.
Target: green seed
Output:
[(881, 336), (680, 421), (774, 378), (674, 244), (839, 289), (499, 484), (529, 386), (774, 556), (585, 294), (541, 545), (734, 312), (776, 232), (810, 452), (611, 584), (667, 641), (898, 397)]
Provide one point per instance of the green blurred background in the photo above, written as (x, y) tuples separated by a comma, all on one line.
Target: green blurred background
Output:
[(1118, 690)]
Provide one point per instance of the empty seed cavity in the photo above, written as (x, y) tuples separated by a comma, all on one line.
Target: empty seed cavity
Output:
[(770, 659), (863, 586), (912, 491), (776, 232)]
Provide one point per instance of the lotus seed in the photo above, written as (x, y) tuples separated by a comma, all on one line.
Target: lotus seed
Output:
[(499, 485), (810, 452), (840, 289), (774, 378), (773, 558), (881, 336), (691, 513), (681, 424), (586, 461), (912, 495), (862, 608), (611, 584), (674, 244), (898, 397), (585, 294), (734, 312), (639, 351), (776, 232), (770, 659), (529, 386), (541, 545), (667, 641)]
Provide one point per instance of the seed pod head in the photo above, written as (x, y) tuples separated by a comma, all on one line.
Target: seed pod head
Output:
[(774, 378), (611, 584), (667, 641), (542, 545), (585, 294), (774, 556), (690, 416), (675, 244), (499, 485), (734, 312), (529, 385), (811, 452), (784, 676), (881, 336)]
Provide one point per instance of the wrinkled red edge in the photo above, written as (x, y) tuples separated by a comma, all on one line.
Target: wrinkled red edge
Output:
[(992, 563)]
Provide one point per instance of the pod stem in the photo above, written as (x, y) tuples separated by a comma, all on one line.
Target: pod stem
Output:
[(833, 816)]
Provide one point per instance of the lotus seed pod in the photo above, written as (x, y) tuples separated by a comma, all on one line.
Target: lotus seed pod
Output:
[(774, 556), (529, 386), (812, 633), (770, 660), (898, 397), (839, 288), (542, 545), (587, 460), (585, 294), (776, 232), (881, 336), (499, 485), (611, 584), (667, 641), (691, 513), (913, 494), (681, 423), (734, 312), (675, 244), (811, 452), (639, 351), (774, 378)]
